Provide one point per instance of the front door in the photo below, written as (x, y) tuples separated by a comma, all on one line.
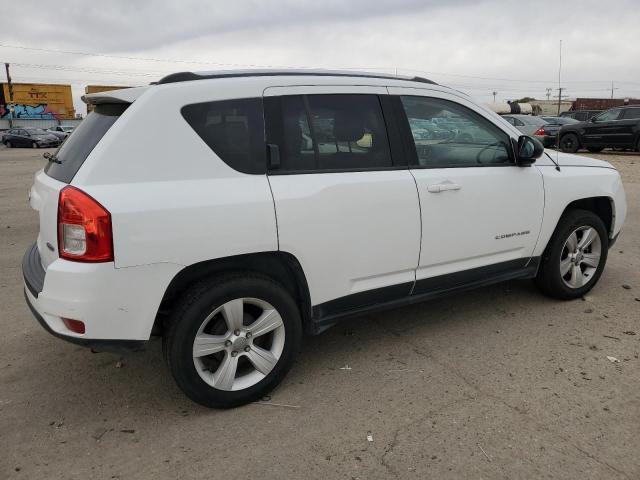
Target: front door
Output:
[(481, 213), (346, 208), (602, 129)]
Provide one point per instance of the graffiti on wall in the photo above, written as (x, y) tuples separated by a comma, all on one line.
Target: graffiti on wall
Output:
[(40, 111)]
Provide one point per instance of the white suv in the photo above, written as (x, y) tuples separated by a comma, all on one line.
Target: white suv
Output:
[(230, 212)]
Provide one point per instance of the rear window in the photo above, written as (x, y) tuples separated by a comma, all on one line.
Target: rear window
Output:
[(233, 129), (77, 147)]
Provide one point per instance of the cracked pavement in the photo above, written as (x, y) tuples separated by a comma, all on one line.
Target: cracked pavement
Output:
[(496, 383)]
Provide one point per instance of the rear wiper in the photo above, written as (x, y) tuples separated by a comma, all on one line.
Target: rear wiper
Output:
[(51, 158)]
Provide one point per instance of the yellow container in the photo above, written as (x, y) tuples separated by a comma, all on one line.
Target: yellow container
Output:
[(37, 100)]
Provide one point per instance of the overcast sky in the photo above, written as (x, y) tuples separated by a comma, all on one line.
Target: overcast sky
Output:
[(475, 46)]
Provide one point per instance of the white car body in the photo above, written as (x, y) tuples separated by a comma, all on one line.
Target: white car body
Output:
[(174, 205)]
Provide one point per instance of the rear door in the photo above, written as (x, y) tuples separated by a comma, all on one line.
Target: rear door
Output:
[(481, 214), (346, 205)]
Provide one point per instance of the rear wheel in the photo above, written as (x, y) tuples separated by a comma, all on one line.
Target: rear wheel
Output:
[(595, 149), (569, 143), (575, 257), (232, 339)]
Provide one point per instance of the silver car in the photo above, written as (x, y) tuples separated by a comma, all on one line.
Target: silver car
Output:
[(533, 126)]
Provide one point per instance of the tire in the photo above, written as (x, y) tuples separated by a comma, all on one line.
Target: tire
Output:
[(34, 145), (192, 317), (558, 253), (595, 149), (569, 143), (8, 144)]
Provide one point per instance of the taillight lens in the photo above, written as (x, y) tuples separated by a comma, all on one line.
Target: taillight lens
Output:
[(540, 131), (84, 228)]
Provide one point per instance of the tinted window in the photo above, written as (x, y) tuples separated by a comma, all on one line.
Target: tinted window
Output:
[(632, 113), (75, 150), (447, 134), (331, 132), (511, 120), (233, 129), (608, 116)]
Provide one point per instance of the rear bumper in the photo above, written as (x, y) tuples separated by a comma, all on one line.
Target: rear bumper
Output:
[(117, 306)]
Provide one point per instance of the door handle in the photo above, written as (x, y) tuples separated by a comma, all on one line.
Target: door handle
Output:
[(441, 187)]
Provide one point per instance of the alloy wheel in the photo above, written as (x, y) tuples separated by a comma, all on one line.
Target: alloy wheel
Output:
[(580, 256), (238, 344)]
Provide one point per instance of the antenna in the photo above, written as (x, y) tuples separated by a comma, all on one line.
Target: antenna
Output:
[(559, 79)]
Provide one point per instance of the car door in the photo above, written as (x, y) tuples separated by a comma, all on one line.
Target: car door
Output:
[(22, 138), (628, 127), (481, 214), (346, 207), (602, 129)]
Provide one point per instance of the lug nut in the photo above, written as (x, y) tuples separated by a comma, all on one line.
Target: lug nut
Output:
[(227, 343), (234, 354), (236, 332), (248, 335), (247, 348)]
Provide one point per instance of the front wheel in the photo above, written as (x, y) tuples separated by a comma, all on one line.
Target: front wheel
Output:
[(569, 143), (232, 339), (575, 256)]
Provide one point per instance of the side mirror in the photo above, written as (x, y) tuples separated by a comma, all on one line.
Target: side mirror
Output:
[(529, 149)]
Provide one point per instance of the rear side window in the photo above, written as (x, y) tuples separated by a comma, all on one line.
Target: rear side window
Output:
[(77, 147), (333, 132), (233, 129), (632, 113)]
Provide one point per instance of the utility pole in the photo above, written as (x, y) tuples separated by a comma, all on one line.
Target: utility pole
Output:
[(494, 96), (10, 102), (560, 90), (549, 90), (612, 89)]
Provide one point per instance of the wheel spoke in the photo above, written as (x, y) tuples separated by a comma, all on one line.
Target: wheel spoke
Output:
[(576, 276), (268, 321), (572, 242), (233, 313), (224, 377), (262, 359), (206, 344), (588, 236), (565, 266), (591, 259)]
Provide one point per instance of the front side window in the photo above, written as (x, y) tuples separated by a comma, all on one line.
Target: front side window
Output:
[(233, 129), (607, 116), (447, 134), (330, 133)]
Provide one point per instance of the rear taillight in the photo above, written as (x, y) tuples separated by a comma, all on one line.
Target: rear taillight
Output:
[(84, 228), (74, 325), (539, 131)]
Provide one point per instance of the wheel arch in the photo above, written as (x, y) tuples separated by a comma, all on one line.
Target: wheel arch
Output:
[(602, 206), (279, 266)]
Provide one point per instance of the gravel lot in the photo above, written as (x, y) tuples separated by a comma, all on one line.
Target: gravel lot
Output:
[(500, 382)]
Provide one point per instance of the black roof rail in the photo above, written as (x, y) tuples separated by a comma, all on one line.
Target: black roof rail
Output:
[(189, 76)]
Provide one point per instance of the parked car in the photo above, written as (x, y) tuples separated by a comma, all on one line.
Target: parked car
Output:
[(553, 125), (252, 226), (617, 128), (534, 126), (29, 137), (60, 131), (580, 115)]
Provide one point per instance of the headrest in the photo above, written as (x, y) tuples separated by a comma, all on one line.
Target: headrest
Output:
[(347, 127)]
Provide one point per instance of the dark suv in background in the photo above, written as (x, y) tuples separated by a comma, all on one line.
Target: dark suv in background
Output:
[(617, 128)]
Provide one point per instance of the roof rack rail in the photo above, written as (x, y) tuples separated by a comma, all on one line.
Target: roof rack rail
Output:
[(189, 76)]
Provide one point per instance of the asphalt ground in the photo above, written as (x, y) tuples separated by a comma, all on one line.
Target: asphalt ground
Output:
[(500, 382)]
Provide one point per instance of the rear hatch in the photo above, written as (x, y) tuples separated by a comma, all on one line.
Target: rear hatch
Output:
[(66, 162)]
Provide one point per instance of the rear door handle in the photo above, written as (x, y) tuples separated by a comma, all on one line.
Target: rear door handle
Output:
[(441, 187)]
